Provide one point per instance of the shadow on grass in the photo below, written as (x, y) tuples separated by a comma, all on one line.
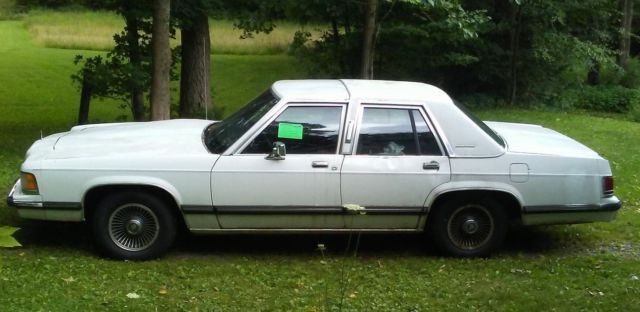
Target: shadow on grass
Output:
[(72, 235), (531, 241), (282, 244)]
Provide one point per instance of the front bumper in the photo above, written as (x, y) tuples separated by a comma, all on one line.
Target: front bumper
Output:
[(20, 200), (570, 214), (33, 207)]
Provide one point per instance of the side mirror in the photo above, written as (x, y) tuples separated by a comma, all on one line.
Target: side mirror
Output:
[(278, 151)]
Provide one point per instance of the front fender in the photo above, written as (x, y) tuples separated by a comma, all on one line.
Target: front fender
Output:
[(132, 180)]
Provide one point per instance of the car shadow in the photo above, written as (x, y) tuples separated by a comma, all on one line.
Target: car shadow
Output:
[(531, 241), (538, 240), (306, 245), (66, 235)]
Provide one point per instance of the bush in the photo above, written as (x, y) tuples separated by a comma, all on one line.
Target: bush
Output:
[(612, 99), (482, 101), (7, 8), (634, 113), (631, 77), (615, 75)]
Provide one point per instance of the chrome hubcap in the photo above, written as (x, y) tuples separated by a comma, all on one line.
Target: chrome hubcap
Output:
[(133, 227), (470, 227)]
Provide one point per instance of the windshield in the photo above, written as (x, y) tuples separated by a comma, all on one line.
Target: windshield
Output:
[(219, 136), (481, 124)]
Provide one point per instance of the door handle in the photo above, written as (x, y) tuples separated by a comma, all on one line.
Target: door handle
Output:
[(320, 164), (432, 165)]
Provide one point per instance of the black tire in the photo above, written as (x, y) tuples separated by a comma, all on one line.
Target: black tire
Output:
[(134, 226), (468, 227)]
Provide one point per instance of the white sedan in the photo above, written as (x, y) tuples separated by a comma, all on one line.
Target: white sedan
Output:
[(316, 156)]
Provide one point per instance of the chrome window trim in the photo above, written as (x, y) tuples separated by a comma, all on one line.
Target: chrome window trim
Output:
[(438, 130), (406, 106), (234, 147), (280, 110)]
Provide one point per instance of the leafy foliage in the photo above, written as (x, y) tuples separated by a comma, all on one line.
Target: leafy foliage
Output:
[(127, 66), (532, 51), (518, 52), (406, 32), (6, 240), (613, 99)]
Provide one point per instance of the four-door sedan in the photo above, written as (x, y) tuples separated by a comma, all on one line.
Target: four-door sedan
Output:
[(316, 156)]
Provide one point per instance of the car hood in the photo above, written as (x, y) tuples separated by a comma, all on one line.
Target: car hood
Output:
[(182, 136), (534, 139)]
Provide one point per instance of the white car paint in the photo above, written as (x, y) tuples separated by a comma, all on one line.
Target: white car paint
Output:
[(553, 178)]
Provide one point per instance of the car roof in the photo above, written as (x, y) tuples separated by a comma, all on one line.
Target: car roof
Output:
[(465, 138), (365, 90)]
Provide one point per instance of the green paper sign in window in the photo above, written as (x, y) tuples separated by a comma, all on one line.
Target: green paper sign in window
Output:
[(290, 131)]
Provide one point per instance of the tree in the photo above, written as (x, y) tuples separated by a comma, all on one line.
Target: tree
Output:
[(161, 61), (124, 73), (368, 44), (515, 19), (625, 36), (89, 79), (358, 28), (132, 16), (195, 86)]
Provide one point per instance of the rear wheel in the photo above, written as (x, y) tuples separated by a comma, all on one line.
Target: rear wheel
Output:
[(134, 226), (472, 227)]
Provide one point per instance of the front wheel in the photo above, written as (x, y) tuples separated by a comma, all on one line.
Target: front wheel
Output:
[(134, 226), (473, 227)]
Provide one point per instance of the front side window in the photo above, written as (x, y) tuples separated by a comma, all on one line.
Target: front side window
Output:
[(303, 130), (395, 131)]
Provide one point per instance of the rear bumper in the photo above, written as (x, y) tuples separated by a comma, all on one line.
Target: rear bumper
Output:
[(569, 214), (33, 207)]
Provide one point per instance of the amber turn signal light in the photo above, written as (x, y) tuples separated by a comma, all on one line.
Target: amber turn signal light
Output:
[(29, 183)]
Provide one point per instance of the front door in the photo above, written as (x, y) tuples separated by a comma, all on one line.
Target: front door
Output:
[(301, 191), (396, 163)]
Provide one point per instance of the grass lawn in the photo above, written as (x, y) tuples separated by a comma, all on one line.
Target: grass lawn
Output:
[(579, 267), (94, 30)]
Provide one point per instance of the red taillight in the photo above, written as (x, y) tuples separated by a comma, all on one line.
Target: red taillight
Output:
[(607, 185)]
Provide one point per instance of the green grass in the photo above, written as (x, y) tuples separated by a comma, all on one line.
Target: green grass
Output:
[(566, 268), (94, 30)]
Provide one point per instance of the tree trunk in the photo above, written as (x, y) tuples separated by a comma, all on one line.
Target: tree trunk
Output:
[(593, 76), (335, 41), (625, 36), (133, 41), (368, 45), (161, 61), (85, 101), (516, 26), (195, 86)]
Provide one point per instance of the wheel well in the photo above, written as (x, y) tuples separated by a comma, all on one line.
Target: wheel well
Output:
[(507, 200), (93, 197)]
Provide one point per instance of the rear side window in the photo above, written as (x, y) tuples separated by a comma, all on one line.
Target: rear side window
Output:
[(303, 130), (395, 131)]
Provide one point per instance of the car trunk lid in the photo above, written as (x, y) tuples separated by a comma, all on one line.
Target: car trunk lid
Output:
[(535, 139)]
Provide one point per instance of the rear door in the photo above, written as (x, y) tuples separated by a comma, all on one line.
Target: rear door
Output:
[(396, 162)]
